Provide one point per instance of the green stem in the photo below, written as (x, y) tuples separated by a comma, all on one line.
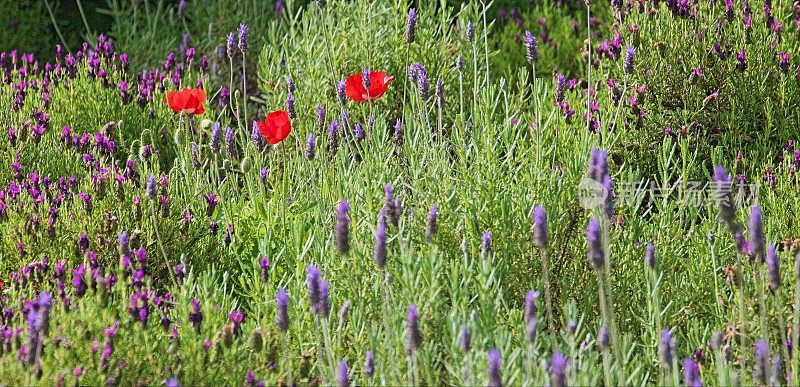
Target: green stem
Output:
[(55, 25), (83, 16)]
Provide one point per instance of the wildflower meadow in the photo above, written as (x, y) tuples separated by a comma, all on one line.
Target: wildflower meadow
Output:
[(397, 192)]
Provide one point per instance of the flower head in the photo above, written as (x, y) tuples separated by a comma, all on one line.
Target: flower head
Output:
[(494, 368), (356, 90), (275, 127), (187, 100)]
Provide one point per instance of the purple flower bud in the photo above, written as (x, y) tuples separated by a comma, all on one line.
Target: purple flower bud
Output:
[(150, 188), (531, 49), (603, 338), (756, 228), (313, 275), (343, 375), (340, 93), (470, 33), (529, 312), (324, 299), (558, 370), (666, 348), (196, 315), (263, 264), (411, 26), (320, 118), (282, 310), (379, 254), (627, 63), (290, 106), (540, 235), (369, 364), (230, 144), (650, 255), (486, 242), (460, 63), (691, 373), (413, 333), (465, 339), (559, 92), (494, 369), (244, 31), (342, 228), (310, 149), (595, 244), (365, 79), (440, 93), (773, 268), (216, 137), (433, 225)]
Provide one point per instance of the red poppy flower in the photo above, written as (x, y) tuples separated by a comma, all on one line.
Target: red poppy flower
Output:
[(187, 100), (275, 127), (378, 82)]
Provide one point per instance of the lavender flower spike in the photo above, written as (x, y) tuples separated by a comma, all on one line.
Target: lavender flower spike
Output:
[(756, 227), (413, 333), (486, 242), (650, 255), (282, 310), (773, 269), (411, 26), (691, 373), (433, 225), (595, 244), (666, 348), (627, 64), (531, 48), (310, 149), (342, 228), (494, 369), (313, 275), (465, 339), (558, 370), (369, 364), (379, 255), (343, 376), (539, 217), (761, 372)]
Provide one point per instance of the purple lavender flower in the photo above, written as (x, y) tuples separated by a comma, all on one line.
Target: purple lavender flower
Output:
[(196, 315), (244, 31), (263, 265), (310, 149), (182, 9), (494, 369), (433, 226), (650, 255), (531, 48), (741, 60), (723, 184), (594, 244), (211, 203), (77, 280), (486, 242), (313, 275), (150, 188), (320, 118), (540, 235), (603, 339), (756, 228), (773, 269), (369, 364), (413, 333), (783, 61), (559, 92), (282, 310), (691, 373), (627, 63), (398, 132), (340, 93), (342, 228), (263, 175), (423, 82), (343, 375), (216, 137), (558, 370), (139, 308), (411, 26), (324, 299), (379, 254), (470, 33), (333, 137), (465, 339), (460, 63), (531, 327), (290, 106), (38, 319), (230, 144), (666, 348), (777, 373)]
